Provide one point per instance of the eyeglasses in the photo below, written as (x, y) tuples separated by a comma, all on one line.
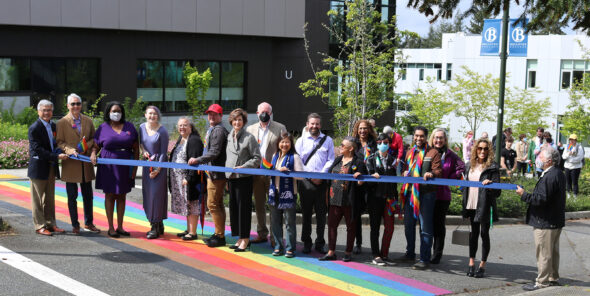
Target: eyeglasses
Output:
[(483, 148), (76, 104)]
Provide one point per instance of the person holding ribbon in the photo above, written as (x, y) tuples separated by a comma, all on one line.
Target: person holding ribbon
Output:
[(75, 136), (452, 168), (365, 136), (479, 203), (574, 157), (118, 139), (242, 152), (418, 200), (282, 196), (267, 133), (342, 196), (187, 186), (382, 198), (153, 138)]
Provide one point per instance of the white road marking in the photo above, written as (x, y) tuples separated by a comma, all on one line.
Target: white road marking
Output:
[(46, 274)]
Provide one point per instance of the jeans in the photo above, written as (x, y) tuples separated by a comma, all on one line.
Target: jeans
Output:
[(571, 179), (87, 198), (276, 222), (427, 201)]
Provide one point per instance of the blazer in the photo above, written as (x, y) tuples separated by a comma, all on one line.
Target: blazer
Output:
[(67, 139), (194, 148), (242, 151), (274, 132), (546, 208), (486, 198), (41, 158)]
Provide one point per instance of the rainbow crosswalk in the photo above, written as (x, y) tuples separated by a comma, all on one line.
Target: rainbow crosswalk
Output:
[(259, 270)]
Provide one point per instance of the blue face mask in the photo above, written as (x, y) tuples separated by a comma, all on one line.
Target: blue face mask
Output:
[(383, 147), (524, 139)]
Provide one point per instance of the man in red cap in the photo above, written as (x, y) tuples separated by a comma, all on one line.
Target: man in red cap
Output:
[(214, 154)]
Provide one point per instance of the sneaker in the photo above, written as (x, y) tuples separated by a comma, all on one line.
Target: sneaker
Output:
[(91, 228), (378, 261), (76, 230), (532, 287), (347, 258), (216, 242), (405, 259), (420, 265)]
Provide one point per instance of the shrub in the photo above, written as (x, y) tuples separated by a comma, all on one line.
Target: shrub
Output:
[(13, 131), (14, 154)]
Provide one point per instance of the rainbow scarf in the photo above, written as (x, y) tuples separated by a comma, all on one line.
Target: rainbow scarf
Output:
[(83, 146), (412, 191), (367, 152)]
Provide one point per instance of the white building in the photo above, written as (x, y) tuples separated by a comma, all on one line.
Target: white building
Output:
[(551, 64)]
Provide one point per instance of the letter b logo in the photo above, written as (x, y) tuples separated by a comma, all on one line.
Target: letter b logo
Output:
[(518, 35), (490, 34)]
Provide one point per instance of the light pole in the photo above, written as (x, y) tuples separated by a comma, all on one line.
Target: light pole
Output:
[(503, 57)]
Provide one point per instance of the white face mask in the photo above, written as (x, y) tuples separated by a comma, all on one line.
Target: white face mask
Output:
[(115, 116)]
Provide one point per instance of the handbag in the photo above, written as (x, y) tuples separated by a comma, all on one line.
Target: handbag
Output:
[(461, 236)]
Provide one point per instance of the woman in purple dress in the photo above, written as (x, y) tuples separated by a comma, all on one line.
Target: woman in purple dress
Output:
[(153, 139), (116, 138)]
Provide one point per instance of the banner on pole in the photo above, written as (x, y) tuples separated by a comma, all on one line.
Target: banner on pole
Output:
[(518, 39), (490, 37)]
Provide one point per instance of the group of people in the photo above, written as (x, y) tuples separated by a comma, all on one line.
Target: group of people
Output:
[(266, 144)]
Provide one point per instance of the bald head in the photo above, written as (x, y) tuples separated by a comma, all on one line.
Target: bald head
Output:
[(264, 107)]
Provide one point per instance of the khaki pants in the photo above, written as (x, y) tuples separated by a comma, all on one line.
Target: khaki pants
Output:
[(260, 187), (43, 201), (215, 190), (547, 245)]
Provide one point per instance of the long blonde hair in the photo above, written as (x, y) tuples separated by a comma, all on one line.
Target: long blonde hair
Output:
[(474, 156)]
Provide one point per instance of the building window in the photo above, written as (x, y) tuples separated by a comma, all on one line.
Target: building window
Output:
[(531, 66), (15, 74), (449, 71), (421, 75), (573, 71), (227, 85)]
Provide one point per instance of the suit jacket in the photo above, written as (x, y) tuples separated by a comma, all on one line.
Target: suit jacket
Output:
[(274, 132), (67, 140), (41, 157), (546, 208)]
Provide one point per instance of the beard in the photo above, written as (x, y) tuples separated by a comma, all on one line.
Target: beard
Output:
[(314, 131)]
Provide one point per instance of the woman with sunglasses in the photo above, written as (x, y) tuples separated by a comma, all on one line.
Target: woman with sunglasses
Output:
[(479, 204)]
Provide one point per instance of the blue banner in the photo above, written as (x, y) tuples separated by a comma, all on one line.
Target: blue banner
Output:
[(490, 37), (517, 40), (306, 175)]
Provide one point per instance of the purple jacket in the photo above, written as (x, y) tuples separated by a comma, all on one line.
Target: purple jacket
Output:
[(452, 168)]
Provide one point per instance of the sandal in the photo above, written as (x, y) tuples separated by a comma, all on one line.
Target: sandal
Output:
[(190, 237), (115, 235), (277, 252), (290, 254), (122, 232)]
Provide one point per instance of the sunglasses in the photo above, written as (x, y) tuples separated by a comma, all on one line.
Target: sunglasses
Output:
[(483, 148), (382, 142), (76, 104)]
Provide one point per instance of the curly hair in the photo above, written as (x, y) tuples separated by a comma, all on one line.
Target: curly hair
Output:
[(357, 124), (474, 158)]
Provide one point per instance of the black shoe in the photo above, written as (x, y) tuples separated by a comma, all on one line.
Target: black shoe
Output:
[(181, 234), (306, 250), (161, 228), (435, 260), (471, 271), (238, 249), (347, 258), (357, 250), (206, 240), (479, 273), (554, 283), (531, 287), (405, 259), (420, 265), (123, 232), (152, 234), (216, 242), (115, 234), (189, 236), (320, 250), (328, 258)]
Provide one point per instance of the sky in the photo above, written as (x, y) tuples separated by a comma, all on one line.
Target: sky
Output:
[(410, 19)]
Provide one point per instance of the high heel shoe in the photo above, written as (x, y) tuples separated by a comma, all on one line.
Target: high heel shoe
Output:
[(471, 271), (238, 242), (238, 249), (479, 273)]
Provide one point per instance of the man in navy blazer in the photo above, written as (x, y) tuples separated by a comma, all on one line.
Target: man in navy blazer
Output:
[(43, 169)]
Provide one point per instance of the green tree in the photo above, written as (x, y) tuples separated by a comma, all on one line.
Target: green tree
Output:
[(474, 97), (544, 13), (359, 82), (434, 37), (429, 104), (197, 85), (576, 120), (523, 112), (478, 14)]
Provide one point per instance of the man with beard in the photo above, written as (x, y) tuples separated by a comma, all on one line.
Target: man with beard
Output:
[(267, 133), (317, 153)]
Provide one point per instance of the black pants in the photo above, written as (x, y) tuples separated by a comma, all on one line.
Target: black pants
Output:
[(240, 206), (441, 207), (571, 179), (359, 208), (313, 198), (87, 199), (521, 167), (478, 229)]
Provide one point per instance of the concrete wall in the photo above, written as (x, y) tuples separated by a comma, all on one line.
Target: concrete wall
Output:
[(272, 18)]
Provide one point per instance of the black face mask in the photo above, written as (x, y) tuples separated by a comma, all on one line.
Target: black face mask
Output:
[(264, 117)]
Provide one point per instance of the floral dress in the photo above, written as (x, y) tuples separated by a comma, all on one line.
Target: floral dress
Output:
[(180, 205)]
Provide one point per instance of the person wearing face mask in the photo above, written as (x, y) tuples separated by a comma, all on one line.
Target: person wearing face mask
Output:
[(547, 143), (535, 142), (267, 133), (75, 135), (382, 199), (522, 158), (452, 168), (154, 142), (115, 138)]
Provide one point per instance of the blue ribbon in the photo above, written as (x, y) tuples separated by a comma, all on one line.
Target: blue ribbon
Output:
[(294, 174)]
